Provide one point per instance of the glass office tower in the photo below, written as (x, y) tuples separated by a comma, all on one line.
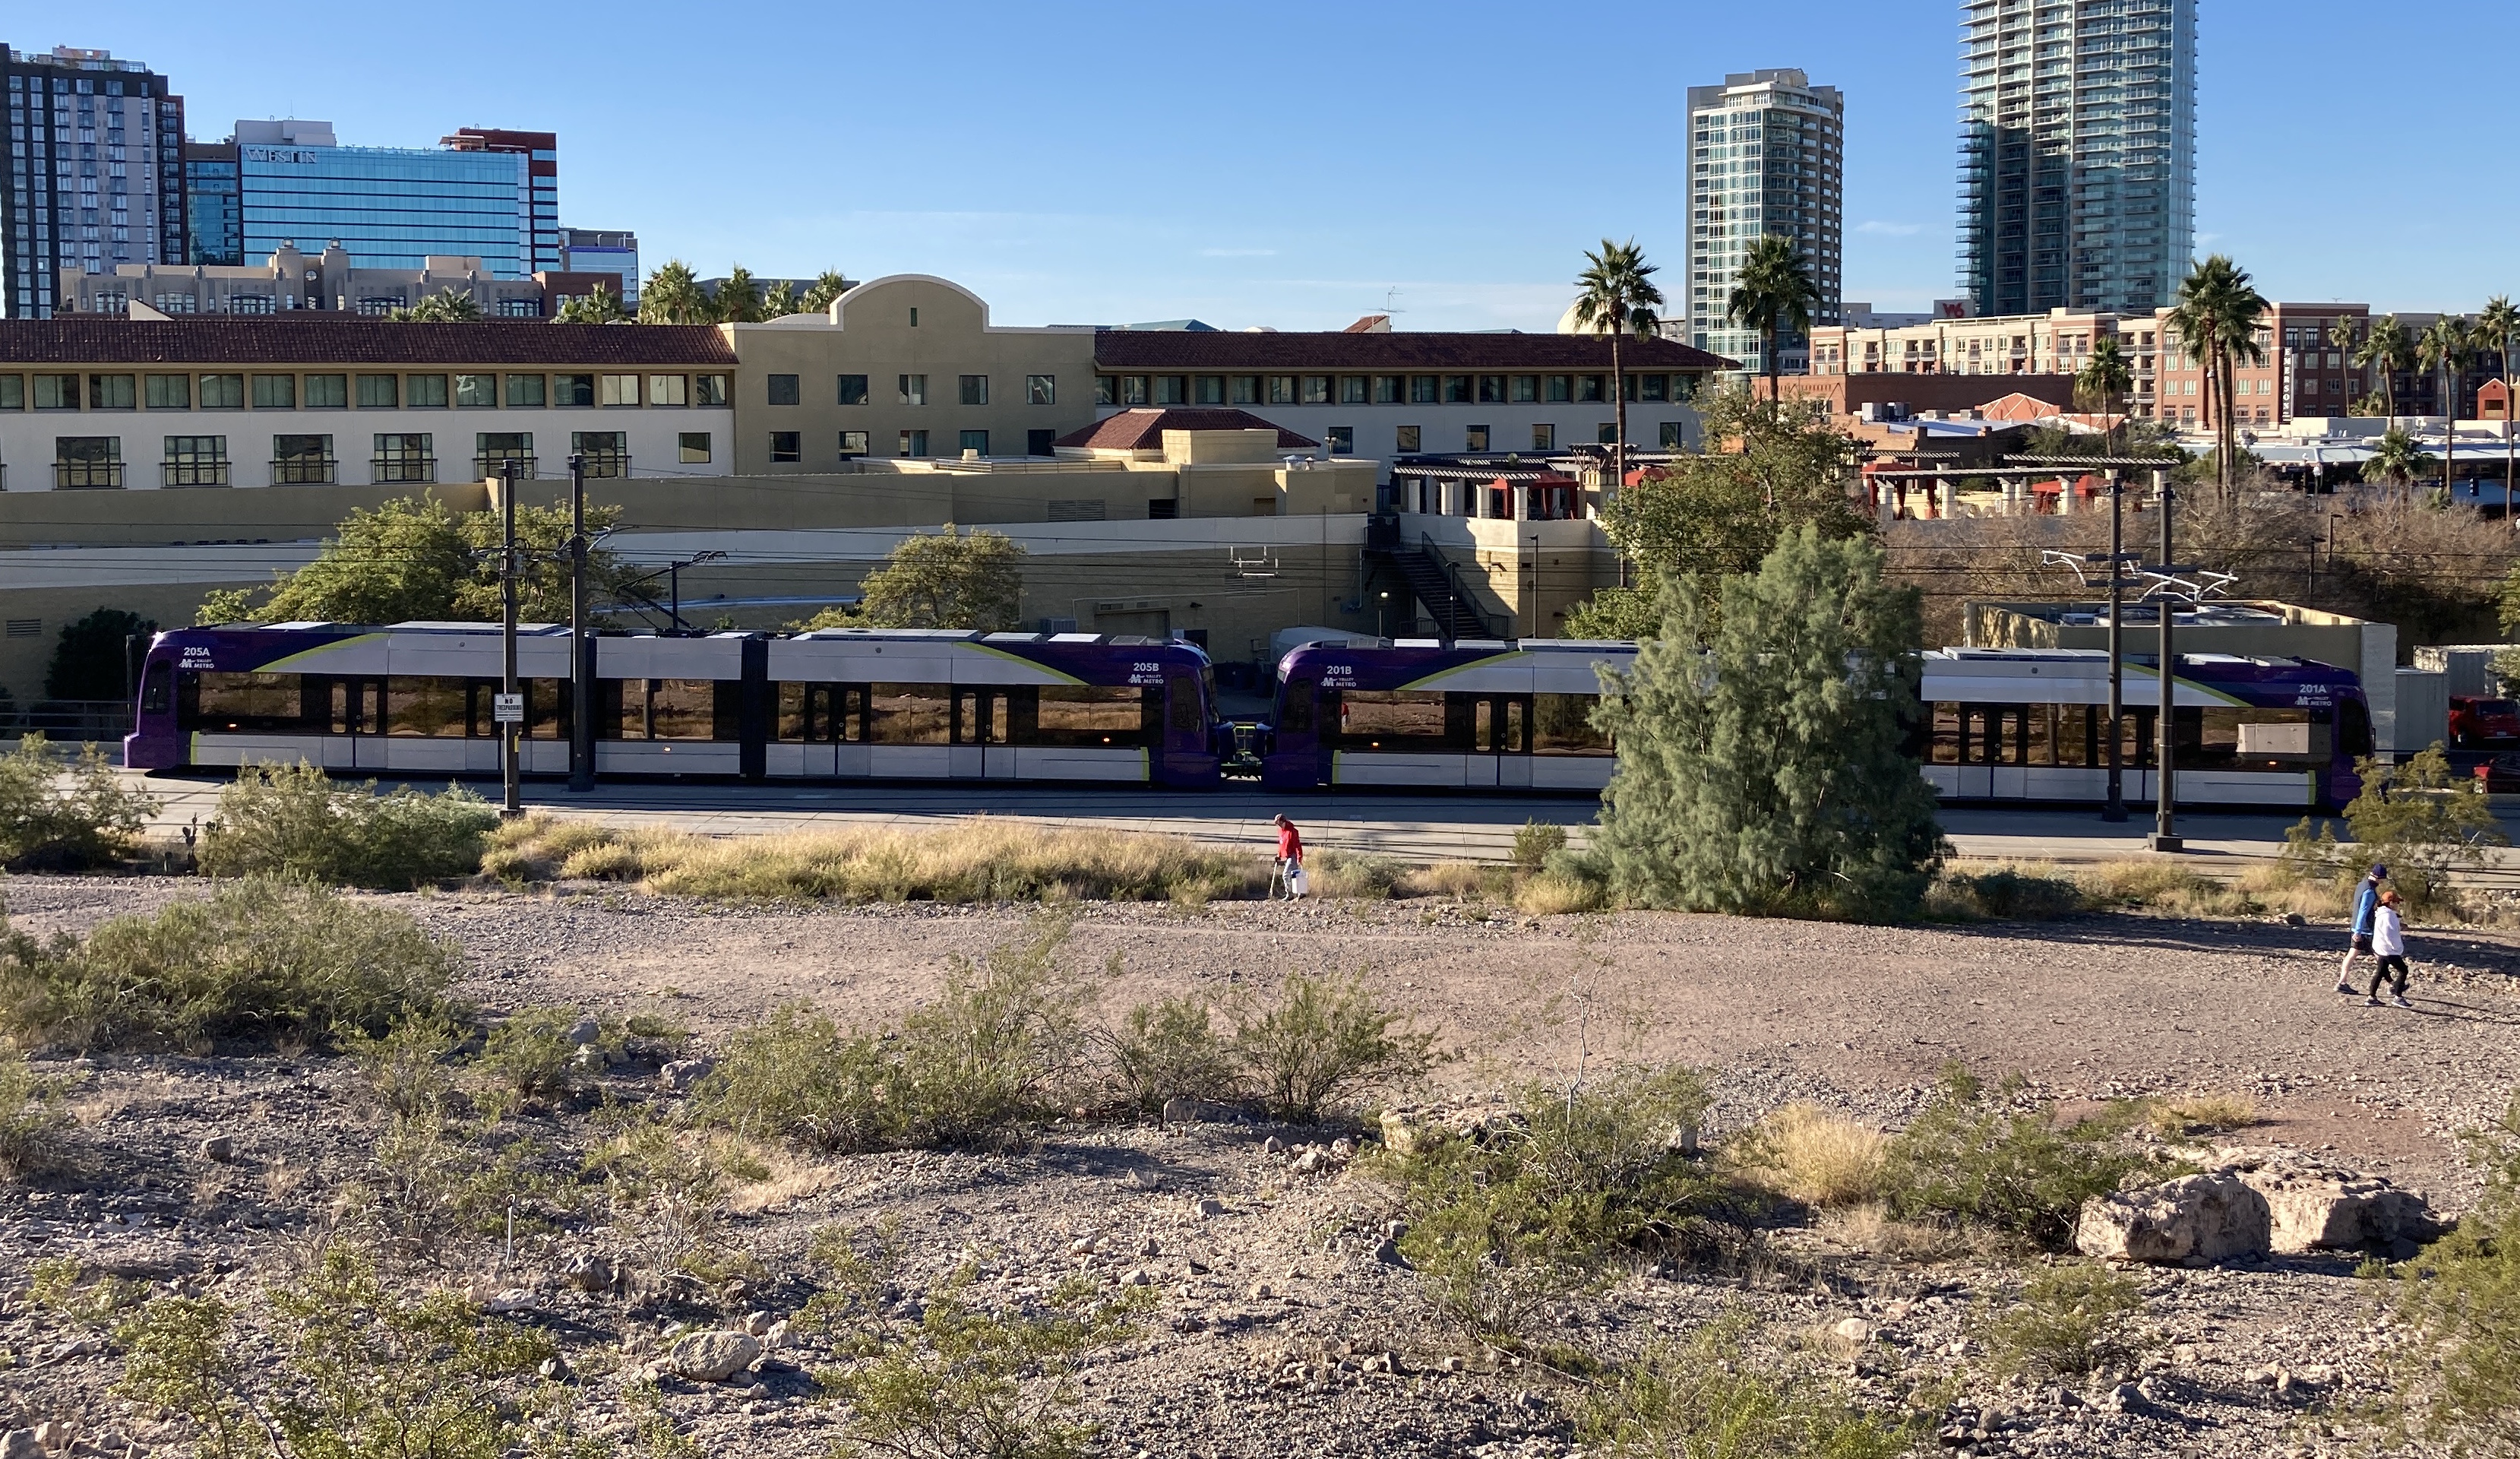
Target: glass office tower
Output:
[(603, 251), (388, 207), (213, 202), (2078, 153), (1766, 155), (96, 173)]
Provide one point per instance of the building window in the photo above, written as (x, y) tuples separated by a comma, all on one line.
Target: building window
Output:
[(1675, 437), (1317, 390), (424, 391), (853, 443), (1457, 389), (1491, 390), (692, 447), (1172, 389), (853, 390), (194, 461), (521, 308), (668, 389), (1423, 389), (573, 389), (379, 391), (301, 461), (328, 392), (87, 461), (1209, 389), (1107, 390), (975, 440), (1355, 389), (476, 392), (218, 393), (623, 389), (1588, 387), (1474, 438), (709, 390), (1041, 390), (783, 389), (491, 449), (524, 391), (1407, 442), (1655, 387), (1133, 389), (913, 389), (913, 444), (786, 446), (373, 304), (1544, 437), (169, 392), (112, 391), (1388, 390), (1342, 441), (13, 392), (402, 458), (252, 303), (976, 390), (1245, 390), (1526, 388), (1561, 388), (1607, 433), (1282, 389), (607, 452)]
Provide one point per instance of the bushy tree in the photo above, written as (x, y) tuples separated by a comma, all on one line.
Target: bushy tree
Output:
[(948, 579), (1761, 768), (826, 287), (65, 817), (413, 558), (95, 658), (449, 305), (603, 306), (672, 296), (739, 299)]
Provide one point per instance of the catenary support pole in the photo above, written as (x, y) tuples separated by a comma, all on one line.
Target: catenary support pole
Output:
[(2164, 826), (510, 746), (2115, 810), (582, 639)]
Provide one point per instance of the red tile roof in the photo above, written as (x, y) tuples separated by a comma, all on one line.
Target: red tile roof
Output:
[(1142, 429), (324, 338), (1404, 351)]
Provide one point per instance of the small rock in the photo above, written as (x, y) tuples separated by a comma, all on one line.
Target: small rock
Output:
[(1136, 1276), (54, 1434), (555, 1368), (1262, 1291), (1209, 1206), (1404, 1136), (20, 1443), (1456, 1365), (712, 1356), (2295, 919), (1311, 1162), (1180, 1111), (585, 1031), (776, 1336), (508, 1299), (1342, 1149), (761, 1390), (757, 1323), (1274, 1146), (1854, 1330), (591, 1059), (219, 1148), (680, 1076), (592, 1273)]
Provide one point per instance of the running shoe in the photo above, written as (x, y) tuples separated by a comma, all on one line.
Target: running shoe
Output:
[(2400, 1002), (2347, 989), (2373, 1001)]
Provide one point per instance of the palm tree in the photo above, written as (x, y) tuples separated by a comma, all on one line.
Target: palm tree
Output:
[(672, 296), (739, 299), (1773, 292), (1618, 299), (2387, 350), (2215, 317), (2447, 349), (449, 305), (2104, 380), (827, 289), (603, 306), (2396, 457), (778, 299), (2341, 334), (2500, 323)]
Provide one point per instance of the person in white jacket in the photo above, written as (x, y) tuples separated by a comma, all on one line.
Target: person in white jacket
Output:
[(2389, 947)]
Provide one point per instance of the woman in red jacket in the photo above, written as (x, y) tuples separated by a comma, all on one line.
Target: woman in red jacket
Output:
[(1291, 856)]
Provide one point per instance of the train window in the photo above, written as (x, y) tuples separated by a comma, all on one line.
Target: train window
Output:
[(1091, 715), (1394, 719), (1946, 746), (1187, 717), (910, 714), (158, 690), (436, 706), (1298, 715), (822, 713), (2251, 738), (2354, 728), (1562, 724), (248, 703), (682, 708), (549, 708)]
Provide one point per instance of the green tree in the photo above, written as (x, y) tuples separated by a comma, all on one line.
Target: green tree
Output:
[(2216, 316), (96, 657), (412, 558), (1761, 768), (449, 305), (2447, 349), (603, 306), (1715, 515), (1773, 292), (2103, 382), (827, 289), (2497, 326), (948, 579), (672, 296), (2386, 350), (2396, 457), (778, 299), (739, 297), (1618, 299)]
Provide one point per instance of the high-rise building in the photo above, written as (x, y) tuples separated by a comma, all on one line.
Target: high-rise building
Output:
[(394, 206), (1766, 155), (96, 173), (2077, 153), (214, 203), (541, 200), (603, 251)]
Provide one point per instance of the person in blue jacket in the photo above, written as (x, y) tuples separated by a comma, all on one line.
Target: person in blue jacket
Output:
[(2367, 910)]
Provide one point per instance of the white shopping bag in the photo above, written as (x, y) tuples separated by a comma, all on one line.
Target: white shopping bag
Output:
[(1297, 884)]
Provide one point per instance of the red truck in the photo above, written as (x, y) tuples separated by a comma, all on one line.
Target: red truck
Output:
[(2475, 722)]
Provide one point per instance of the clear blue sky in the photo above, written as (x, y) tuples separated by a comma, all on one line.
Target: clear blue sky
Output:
[(1285, 164)]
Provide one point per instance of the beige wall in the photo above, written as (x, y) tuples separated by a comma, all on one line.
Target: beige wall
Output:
[(869, 332)]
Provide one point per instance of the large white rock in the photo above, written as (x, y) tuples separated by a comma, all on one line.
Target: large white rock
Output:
[(712, 1356), (2317, 1209), (2213, 1217)]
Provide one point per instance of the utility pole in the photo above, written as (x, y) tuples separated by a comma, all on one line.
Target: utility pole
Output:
[(581, 641), (2165, 829), (509, 709), (2114, 809)]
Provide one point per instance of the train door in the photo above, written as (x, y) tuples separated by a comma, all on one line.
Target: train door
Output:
[(982, 738), (1500, 741), (354, 732)]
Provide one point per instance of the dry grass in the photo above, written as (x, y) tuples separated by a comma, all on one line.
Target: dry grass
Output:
[(1806, 1153), (1467, 881), (971, 861), (2204, 1114), (2263, 888), (1870, 1228), (1550, 895)]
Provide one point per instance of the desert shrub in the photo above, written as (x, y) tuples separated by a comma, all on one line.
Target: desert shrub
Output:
[(2004, 895), (2461, 1300), (1554, 893), (2155, 886), (1324, 1043), (1171, 1049), (1808, 1153), (44, 826), (1354, 874), (408, 1068), (256, 960), (996, 1051), (294, 821), (1504, 1225), (1704, 1399), (182, 1358), (2071, 1320), (1536, 841), (1983, 1155), (32, 1117), (434, 1177), (956, 1381), (2202, 1114), (1465, 880), (530, 1053), (669, 1190)]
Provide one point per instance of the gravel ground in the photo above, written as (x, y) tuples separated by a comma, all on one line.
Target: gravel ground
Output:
[(1275, 1314)]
